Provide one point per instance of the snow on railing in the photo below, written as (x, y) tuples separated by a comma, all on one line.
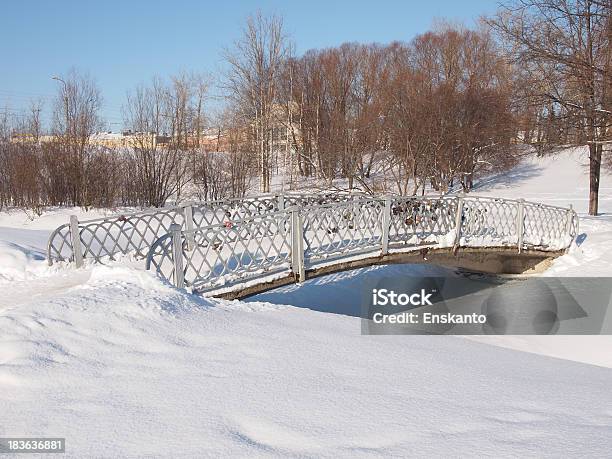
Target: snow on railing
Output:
[(105, 238), (134, 233), (211, 245), (297, 238)]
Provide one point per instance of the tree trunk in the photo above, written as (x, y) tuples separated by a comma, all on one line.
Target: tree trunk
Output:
[(594, 167)]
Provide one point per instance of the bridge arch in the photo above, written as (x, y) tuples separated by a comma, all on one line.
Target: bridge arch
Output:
[(236, 247), (489, 260), (252, 254)]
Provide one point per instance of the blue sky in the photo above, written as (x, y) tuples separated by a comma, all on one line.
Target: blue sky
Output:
[(123, 44)]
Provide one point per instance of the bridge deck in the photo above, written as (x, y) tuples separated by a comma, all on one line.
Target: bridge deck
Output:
[(489, 260)]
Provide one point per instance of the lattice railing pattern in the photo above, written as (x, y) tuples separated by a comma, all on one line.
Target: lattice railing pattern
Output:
[(219, 255), (488, 221), (228, 210), (59, 246), (417, 221), (134, 233), (126, 235), (241, 250), (106, 238), (304, 200), (548, 226), (342, 229)]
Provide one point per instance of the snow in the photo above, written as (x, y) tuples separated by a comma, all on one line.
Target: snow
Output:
[(562, 180), (52, 218), (125, 362), (559, 179), (17, 262), (124, 365)]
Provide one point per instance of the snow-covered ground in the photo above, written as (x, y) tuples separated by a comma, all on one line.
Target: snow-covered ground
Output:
[(123, 365), (562, 180)]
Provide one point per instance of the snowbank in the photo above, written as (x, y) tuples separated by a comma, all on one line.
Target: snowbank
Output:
[(143, 369), (19, 263), (559, 179)]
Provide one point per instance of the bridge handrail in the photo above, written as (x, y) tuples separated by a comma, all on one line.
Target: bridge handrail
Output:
[(306, 230), (207, 255), (133, 232), (304, 237), (106, 237)]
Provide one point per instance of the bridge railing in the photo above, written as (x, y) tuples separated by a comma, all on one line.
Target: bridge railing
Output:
[(106, 238), (334, 231), (133, 234), (298, 238), (214, 255), (416, 221), (227, 241)]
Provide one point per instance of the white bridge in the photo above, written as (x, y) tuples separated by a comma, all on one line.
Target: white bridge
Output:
[(241, 246)]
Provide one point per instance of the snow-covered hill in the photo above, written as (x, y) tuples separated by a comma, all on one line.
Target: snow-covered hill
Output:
[(144, 370), (123, 365), (559, 179), (562, 180)]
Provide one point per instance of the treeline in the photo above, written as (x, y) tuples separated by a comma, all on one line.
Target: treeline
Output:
[(35, 176), (403, 117), (162, 158), (444, 108), (432, 114)]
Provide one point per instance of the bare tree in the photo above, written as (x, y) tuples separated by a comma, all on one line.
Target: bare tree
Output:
[(564, 49), (226, 172), (448, 115), (75, 120), (166, 120), (255, 66)]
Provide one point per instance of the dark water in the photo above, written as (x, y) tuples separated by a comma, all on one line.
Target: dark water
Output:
[(523, 305), (342, 293)]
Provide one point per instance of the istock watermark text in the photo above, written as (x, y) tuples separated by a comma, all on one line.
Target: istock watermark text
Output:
[(384, 297)]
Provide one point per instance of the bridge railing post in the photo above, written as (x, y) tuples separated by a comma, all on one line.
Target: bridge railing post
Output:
[(458, 222), (188, 216), (75, 239), (568, 222), (297, 245), (280, 201), (520, 224), (177, 255), (280, 204), (386, 225)]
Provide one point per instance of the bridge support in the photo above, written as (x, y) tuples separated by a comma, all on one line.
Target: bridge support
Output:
[(188, 216), (177, 255), (520, 224), (458, 221), (487, 260), (386, 226)]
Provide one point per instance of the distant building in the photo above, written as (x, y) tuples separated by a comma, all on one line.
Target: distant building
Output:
[(129, 139), (216, 139), (213, 139), (285, 131), (124, 139)]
